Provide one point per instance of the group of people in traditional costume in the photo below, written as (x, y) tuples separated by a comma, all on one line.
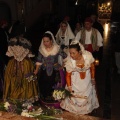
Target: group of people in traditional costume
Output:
[(71, 67)]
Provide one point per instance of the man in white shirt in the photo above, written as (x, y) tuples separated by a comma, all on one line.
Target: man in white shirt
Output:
[(90, 38)]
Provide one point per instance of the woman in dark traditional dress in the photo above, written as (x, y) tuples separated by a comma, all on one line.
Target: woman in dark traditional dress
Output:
[(49, 69)]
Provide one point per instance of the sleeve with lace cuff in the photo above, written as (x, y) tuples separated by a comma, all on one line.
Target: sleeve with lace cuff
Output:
[(68, 79)]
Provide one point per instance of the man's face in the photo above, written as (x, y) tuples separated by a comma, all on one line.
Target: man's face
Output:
[(88, 25)]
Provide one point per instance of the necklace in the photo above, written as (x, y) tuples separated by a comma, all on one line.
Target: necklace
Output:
[(80, 61)]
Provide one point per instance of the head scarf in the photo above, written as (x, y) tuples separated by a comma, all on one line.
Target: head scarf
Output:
[(53, 39), (68, 34), (42, 47)]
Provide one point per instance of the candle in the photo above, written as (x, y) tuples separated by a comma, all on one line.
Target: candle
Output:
[(96, 62)]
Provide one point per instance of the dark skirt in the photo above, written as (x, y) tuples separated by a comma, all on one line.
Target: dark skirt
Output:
[(47, 84)]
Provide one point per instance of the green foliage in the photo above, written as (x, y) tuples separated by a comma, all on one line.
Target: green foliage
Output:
[(2, 108)]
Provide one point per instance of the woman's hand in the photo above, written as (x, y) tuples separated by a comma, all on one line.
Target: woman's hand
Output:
[(36, 69), (93, 81), (35, 72), (70, 88)]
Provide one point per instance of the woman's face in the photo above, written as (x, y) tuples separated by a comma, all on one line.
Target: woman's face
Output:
[(63, 27), (47, 42), (74, 53)]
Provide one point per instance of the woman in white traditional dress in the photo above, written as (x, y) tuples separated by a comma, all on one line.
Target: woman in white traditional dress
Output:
[(80, 78), (64, 34)]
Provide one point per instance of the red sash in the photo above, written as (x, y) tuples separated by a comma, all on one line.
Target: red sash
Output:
[(89, 48)]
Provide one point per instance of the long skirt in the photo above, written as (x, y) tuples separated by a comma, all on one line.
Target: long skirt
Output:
[(47, 84), (16, 86), (85, 99)]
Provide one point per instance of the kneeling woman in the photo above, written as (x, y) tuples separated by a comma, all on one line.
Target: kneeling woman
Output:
[(50, 72), (80, 78)]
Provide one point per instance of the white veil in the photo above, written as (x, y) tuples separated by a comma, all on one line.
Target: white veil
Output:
[(55, 49), (68, 34), (53, 39)]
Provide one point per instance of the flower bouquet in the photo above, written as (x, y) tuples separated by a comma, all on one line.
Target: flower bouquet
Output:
[(30, 77), (61, 93), (28, 110)]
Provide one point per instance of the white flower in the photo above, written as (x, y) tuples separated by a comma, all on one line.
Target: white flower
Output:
[(63, 95), (55, 94), (25, 104), (25, 113), (37, 112), (40, 110), (59, 95), (6, 105)]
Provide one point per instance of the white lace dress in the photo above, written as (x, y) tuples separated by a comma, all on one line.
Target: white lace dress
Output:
[(86, 99)]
